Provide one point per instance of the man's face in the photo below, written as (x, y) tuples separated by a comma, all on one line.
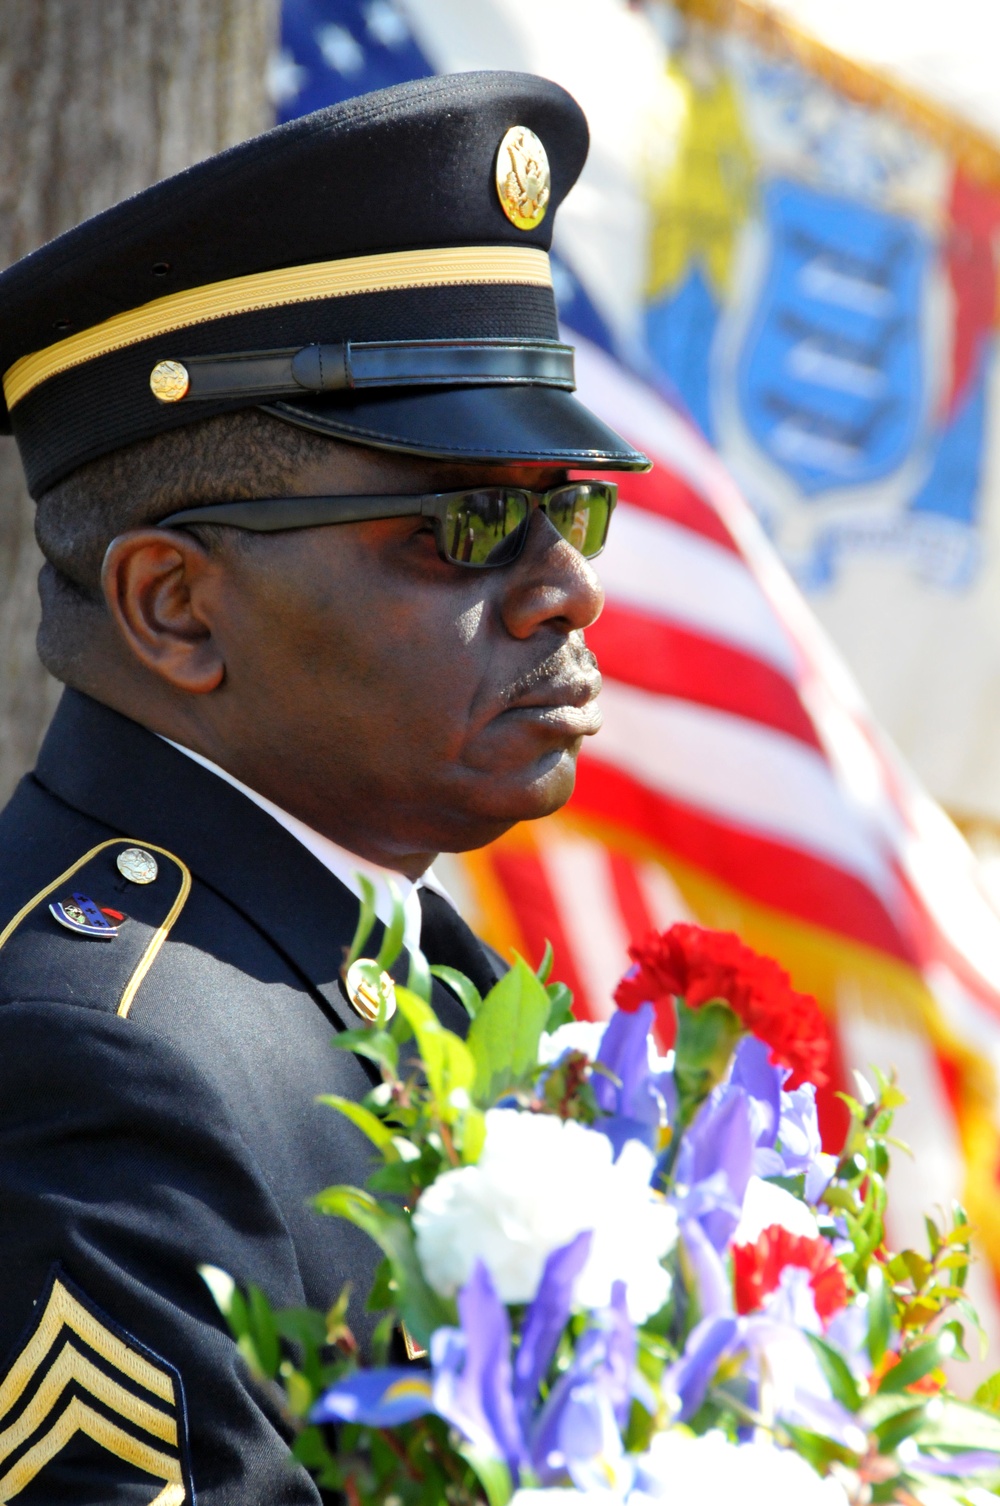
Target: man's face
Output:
[(401, 704)]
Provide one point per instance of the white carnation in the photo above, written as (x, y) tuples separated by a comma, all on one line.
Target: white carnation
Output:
[(540, 1182), (578, 1035), (764, 1205), (715, 1472)]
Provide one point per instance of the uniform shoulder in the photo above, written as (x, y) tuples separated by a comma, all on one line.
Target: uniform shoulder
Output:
[(83, 912)]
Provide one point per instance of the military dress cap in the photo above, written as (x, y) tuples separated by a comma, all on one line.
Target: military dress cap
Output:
[(377, 271)]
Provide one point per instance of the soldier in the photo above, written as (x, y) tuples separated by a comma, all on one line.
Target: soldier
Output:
[(299, 426)]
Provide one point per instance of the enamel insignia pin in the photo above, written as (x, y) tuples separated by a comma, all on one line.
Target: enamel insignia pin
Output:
[(81, 915)]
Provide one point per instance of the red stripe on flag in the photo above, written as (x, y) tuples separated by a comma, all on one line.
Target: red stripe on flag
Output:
[(631, 900), (764, 870), (659, 657), (530, 897), (664, 492), (833, 1113)]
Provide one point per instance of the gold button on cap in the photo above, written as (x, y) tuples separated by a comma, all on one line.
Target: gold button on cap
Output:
[(169, 381), (369, 988), (524, 181), (137, 865)]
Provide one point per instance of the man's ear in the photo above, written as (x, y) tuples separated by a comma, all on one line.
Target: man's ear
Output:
[(162, 588)]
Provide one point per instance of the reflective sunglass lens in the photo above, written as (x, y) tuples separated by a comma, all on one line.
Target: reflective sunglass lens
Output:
[(479, 526), (581, 515)]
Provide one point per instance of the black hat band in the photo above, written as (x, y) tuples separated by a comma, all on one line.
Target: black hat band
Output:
[(350, 365)]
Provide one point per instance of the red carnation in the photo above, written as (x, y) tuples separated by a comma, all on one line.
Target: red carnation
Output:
[(757, 1270), (698, 965)]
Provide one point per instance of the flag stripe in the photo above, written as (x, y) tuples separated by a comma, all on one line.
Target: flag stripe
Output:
[(769, 872), (665, 659), (739, 772), (674, 575), (665, 493)]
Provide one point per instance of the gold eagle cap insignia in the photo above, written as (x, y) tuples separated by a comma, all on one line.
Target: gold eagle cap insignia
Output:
[(524, 182)]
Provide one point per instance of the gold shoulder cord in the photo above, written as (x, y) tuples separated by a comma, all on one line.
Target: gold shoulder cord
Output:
[(161, 933)]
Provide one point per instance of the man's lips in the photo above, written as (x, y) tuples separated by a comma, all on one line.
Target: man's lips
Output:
[(564, 705)]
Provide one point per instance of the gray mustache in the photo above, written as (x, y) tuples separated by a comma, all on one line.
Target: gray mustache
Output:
[(568, 665)]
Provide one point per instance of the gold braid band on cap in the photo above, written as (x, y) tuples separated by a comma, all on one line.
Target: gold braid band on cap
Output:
[(450, 266)]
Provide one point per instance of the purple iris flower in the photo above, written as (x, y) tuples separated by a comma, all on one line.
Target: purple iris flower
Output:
[(497, 1407), (494, 1404), (473, 1379), (376, 1398), (578, 1430), (635, 1098), (775, 1338), (785, 1125), (715, 1163)]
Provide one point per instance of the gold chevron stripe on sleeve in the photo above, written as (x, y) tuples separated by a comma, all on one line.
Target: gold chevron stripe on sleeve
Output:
[(79, 1417), (448, 266), (71, 1365), (63, 1310)]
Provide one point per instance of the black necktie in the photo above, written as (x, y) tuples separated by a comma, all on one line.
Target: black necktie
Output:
[(446, 941)]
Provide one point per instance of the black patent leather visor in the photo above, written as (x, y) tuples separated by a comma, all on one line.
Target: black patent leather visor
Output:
[(499, 425)]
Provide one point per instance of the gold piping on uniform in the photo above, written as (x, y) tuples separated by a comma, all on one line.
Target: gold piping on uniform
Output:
[(78, 1417), (159, 937), (162, 932), (449, 266)]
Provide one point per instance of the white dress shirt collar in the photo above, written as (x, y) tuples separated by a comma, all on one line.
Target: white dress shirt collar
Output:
[(344, 865)]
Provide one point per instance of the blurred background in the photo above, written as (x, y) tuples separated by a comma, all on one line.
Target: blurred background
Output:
[(780, 269)]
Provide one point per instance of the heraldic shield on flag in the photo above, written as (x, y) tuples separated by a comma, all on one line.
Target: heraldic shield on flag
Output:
[(809, 301)]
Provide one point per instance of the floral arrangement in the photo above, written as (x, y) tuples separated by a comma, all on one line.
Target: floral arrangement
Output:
[(627, 1276)]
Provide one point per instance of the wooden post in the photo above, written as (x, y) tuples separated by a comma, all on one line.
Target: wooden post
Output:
[(99, 98)]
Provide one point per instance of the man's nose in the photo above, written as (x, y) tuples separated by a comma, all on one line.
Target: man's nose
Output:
[(550, 584)]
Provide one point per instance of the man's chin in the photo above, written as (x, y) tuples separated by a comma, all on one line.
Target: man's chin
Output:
[(505, 798)]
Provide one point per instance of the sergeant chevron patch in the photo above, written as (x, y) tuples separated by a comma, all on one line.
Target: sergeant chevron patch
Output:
[(78, 1374)]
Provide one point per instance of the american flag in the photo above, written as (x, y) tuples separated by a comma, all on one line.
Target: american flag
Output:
[(738, 779)]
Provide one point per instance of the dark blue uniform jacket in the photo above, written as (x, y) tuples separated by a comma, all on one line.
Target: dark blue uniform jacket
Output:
[(157, 1112)]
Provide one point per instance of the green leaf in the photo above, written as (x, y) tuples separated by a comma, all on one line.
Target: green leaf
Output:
[(421, 1309), (956, 1424), (462, 987), (880, 1308), (491, 1472), (900, 1426), (918, 1362), (988, 1394), (418, 979), (560, 1006), (302, 1325), (543, 971), (473, 1136), (448, 1062), (392, 941), (377, 1045), (263, 1332), (225, 1294), (504, 1036), (837, 1373), (378, 1133), (366, 919), (706, 1039)]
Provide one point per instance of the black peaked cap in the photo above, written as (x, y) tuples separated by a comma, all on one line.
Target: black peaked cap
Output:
[(415, 313)]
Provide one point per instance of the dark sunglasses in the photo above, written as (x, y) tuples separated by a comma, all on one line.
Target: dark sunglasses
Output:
[(481, 528)]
